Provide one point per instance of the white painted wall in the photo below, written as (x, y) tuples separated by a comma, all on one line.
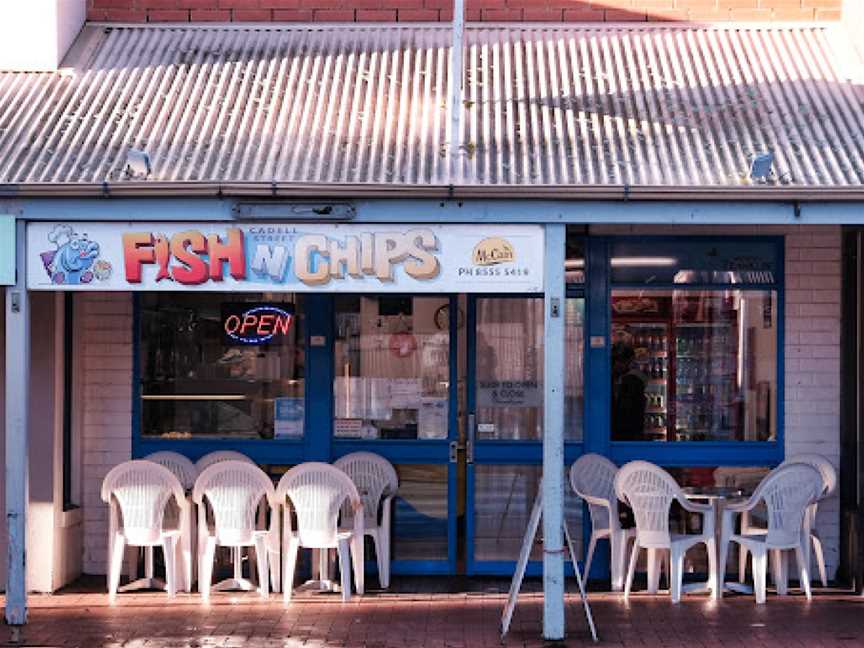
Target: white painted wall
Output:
[(106, 425), (54, 536), (36, 34), (812, 412)]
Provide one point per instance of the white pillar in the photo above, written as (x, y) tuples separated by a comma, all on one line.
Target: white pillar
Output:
[(553, 434), (17, 387)]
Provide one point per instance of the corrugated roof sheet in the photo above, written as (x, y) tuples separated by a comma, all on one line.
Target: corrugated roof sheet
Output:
[(597, 105)]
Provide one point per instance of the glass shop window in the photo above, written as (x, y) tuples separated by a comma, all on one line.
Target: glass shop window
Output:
[(695, 261), (574, 264), (222, 365), (691, 359), (694, 366), (392, 367)]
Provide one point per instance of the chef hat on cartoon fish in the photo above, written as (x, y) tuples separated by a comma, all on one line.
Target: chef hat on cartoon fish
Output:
[(61, 234)]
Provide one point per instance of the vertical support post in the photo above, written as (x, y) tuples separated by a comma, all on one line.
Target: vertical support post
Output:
[(553, 434), (455, 102), (17, 391)]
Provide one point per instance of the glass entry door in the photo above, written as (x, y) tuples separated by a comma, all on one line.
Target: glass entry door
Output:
[(505, 424), (394, 395)]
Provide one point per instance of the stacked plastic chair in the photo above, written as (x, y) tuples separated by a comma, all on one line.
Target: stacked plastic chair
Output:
[(184, 470), (787, 493), (377, 482), (234, 491), (315, 493), (138, 493), (592, 478)]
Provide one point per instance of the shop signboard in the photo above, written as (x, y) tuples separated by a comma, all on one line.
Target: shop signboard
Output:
[(7, 250), (274, 257)]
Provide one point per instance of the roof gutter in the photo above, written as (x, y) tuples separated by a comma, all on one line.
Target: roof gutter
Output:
[(437, 192)]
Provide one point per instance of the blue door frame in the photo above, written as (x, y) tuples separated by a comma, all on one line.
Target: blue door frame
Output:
[(318, 442), (520, 453), (423, 451)]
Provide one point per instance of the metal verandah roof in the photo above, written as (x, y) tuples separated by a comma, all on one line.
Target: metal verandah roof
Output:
[(547, 105)]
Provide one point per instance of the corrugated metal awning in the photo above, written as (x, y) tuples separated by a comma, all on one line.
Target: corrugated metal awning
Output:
[(548, 105)]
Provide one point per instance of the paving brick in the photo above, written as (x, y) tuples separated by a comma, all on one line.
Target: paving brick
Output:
[(83, 616)]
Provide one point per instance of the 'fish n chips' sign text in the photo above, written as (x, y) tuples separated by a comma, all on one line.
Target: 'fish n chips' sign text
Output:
[(285, 257)]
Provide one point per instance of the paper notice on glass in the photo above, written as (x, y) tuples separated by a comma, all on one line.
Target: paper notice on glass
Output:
[(509, 393), (432, 418), (404, 393), (362, 398), (288, 416), (349, 397), (347, 427)]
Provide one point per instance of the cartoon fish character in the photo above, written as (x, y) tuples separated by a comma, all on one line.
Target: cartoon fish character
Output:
[(72, 261), (163, 256)]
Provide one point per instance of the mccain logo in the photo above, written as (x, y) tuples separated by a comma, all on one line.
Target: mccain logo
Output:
[(492, 251)]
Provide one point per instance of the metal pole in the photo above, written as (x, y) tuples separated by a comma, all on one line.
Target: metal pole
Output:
[(17, 391), (455, 103), (553, 434)]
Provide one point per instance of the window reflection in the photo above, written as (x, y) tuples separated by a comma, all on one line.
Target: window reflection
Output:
[(694, 365), (197, 381), (392, 359), (509, 368)]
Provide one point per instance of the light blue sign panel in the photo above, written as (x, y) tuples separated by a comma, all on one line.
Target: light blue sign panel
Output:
[(7, 250)]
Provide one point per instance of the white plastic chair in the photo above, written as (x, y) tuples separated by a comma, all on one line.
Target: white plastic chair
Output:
[(829, 487), (184, 470), (220, 455), (377, 482), (137, 493), (650, 491), (787, 493), (234, 491), (316, 492), (592, 478), (231, 455), (829, 481)]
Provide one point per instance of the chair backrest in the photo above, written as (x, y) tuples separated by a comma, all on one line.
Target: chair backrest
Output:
[(234, 490), (787, 492), (592, 477), (142, 490), (180, 465), (375, 479), (820, 463), (650, 491), (220, 455), (317, 492)]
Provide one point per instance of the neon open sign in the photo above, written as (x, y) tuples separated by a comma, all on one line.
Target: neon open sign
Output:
[(256, 324)]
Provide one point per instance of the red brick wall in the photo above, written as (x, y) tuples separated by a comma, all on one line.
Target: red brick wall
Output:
[(437, 10)]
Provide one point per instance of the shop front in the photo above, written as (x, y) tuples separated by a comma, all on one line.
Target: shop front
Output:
[(423, 343)]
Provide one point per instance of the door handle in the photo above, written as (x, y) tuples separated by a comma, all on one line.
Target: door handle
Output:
[(469, 446)]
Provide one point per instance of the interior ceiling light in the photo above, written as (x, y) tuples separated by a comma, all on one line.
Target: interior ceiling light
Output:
[(644, 262)]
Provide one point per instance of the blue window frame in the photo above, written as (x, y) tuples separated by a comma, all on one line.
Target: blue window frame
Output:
[(762, 261), (318, 442)]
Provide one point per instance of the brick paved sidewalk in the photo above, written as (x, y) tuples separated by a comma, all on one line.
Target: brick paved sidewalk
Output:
[(79, 617)]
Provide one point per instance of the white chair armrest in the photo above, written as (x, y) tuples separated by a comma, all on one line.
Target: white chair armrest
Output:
[(741, 507), (694, 507)]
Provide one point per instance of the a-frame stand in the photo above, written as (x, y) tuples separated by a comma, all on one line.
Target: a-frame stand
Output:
[(516, 583)]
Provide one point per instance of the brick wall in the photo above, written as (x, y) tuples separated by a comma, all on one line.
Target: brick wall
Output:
[(812, 414), (106, 427), (477, 10), (813, 281)]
